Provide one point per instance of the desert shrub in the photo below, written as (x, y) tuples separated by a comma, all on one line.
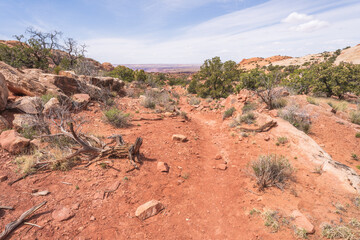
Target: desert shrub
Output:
[(181, 81), (271, 220), (46, 97), (124, 73), (192, 88), (117, 118), (248, 107), (298, 118), (157, 97), (338, 232), (248, 118), (338, 105), (357, 135), (271, 170), (26, 163), (312, 100), (28, 132), (282, 140), (301, 233), (229, 112), (278, 103), (355, 117)]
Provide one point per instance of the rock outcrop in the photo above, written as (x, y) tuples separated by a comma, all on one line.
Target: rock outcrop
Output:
[(12, 141), (4, 93)]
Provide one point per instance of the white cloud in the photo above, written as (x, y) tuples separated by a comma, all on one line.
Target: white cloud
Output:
[(295, 18), (311, 26)]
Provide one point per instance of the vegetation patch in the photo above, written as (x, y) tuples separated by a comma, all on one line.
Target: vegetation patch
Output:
[(298, 118), (355, 117), (229, 112), (312, 100), (117, 118), (248, 107)]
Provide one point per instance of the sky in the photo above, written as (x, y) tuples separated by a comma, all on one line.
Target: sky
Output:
[(189, 31)]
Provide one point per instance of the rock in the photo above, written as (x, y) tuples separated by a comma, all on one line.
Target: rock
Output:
[(4, 92), (218, 157), (69, 74), (350, 97), (42, 193), (51, 106), (301, 221), (3, 178), (29, 105), (67, 85), (62, 214), (267, 138), (221, 166), (35, 143), (162, 167), (107, 66), (149, 209), (179, 137), (168, 114), (4, 124), (81, 99), (12, 141), (92, 218), (24, 120), (243, 95)]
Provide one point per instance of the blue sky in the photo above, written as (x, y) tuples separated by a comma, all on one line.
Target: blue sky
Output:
[(189, 31)]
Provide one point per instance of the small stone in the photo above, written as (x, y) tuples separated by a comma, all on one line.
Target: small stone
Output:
[(179, 137), (92, 218), (62, 214), (218, 157), (221, 166), (162, 167), (267, 138), (42, 193), (34, 190), (168, 114), (149, 209), (302, 222), (75, 206), (3, 178)]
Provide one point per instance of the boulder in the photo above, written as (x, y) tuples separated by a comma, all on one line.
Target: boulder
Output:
[(221, 166), (67, 85), (24, 120), (302, 222), (149, 209), (4, 124), (52, 105), (29, 105), (22, 83), (4, 92), (107, 66), (12, 141), (179, 137), (81, 99), (162, 167)]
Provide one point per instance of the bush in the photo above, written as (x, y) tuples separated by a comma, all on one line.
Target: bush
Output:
[(46, 97), (278, 103), (248, 118), (338, 106), (155, 97), (271, 170), (299, 119), (194, 101), (335, 232), (193, 86), (249, 106), (117, 118), (312, 100), (282, 140), (228, 113), (355, 117), (357, 135), (28, 132)]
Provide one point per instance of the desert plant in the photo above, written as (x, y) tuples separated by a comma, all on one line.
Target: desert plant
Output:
[(28, 132), (117, 118), (301, 233), (354, 157), (298, 118), (157, 97), (46, 97), (312, 100), (271, 220), (337, 231), (248, 107), (229, 112), (271, 170), (282, 140), (194, 101), (357, 135), (355, 117), (338, 105)]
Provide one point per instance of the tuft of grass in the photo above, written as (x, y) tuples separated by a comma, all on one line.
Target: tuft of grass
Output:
[(299, 119), (278, 103), (282, 140), (355, 117), (271, 170), (271, 220), (358, 167), (117, 118), (339, 231), (354, 157), (248, 107), (312, 100), (185, 175), (254, 211), (301, 233), (194, 101), (28, 132), (338, 105), (228, 113), (46, 97), (26, 163), (357, 135)]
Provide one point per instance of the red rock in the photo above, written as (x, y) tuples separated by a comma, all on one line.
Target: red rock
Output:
[(3, 178), (81, 99), (221, 166), (179, 137), (149, 209), (12, 141), (162, 167), (301, 221), (4, 92), (218, 157), (267, 138), (62, 214)]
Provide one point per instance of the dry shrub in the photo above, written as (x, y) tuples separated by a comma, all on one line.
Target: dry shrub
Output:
[(297, 117), (117, 118), (271, 170)]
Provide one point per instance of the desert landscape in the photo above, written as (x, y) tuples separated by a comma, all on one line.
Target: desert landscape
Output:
[(258, 148)]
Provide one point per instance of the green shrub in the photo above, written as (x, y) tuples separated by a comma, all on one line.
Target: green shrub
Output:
[(248, 118), (249, 106), (338, 106), (355, 117), (117, 118), (194, 101), (271, 170), (28, 132), (229, 112), (357, 135), (278, 103), (282, 140), (338, 231), (312, 100), (46, 97)]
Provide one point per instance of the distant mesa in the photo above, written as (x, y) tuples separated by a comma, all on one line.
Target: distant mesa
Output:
[(165, 68)]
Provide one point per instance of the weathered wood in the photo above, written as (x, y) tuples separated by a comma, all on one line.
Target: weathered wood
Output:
[(6, 207), (13, 225), (264, 128)]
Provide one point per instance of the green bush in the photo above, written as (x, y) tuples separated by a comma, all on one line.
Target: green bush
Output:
[(355, 117), (124, 73), (229, 112), (357, 135), (248, 107), (117, 118), (194, 101), (46, 97)]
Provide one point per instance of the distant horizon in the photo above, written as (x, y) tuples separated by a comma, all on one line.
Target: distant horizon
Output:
[(190, 31)]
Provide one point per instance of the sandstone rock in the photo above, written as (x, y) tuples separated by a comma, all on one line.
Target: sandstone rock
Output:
[(62, 214), (149, 209), (4, 124), (267, 138), (67, 85), (24, 120), (3, 178), (302, 222), (218, 157), (42, 193), (81, 99), (162, 167), (92, 218), (51, 106), (221, 166), (12, 141), (35, 143), (70, 74), (179, 137), (4, 92), (107, 66), (29, 105)]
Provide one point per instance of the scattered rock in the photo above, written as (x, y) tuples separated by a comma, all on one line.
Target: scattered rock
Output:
[(29, 105), (81, 100), (149, 209), (4, 124), (62, 214), (92, 218), (162, 167), (35, 143), (107, 66), (4, 92), (51, 106), (3, 178), (75, 206), (267, 138), (221, 166), (179, 137), (12, 141), (24, 120), (302, 222), (168, 114), (42, 193), (218, 157)]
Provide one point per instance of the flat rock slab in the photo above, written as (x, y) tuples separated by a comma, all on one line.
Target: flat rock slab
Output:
[(162, 167), (302, 222), (179, 137), (149, 209), (62, 214)]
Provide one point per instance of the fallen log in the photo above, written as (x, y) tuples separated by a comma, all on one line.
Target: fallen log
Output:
[(264, 128)]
